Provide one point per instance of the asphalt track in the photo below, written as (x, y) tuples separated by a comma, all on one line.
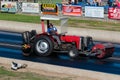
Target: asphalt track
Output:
[(10, 47)]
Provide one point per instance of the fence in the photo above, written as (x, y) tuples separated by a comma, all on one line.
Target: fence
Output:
[(87, 12)]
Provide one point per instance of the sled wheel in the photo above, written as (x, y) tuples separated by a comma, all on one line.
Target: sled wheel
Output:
[(100, 54), (73, 53), (26, 37), (43, 46)]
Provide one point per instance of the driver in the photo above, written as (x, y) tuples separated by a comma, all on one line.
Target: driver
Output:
[(53, 31)]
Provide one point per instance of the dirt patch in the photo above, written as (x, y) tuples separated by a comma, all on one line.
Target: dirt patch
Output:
[(54, 75)]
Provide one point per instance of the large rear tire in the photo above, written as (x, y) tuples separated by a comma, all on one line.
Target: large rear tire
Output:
[(43, 46)]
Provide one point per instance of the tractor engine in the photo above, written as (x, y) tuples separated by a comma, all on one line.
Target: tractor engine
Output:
[(87, 43), (66, 46), (81, 43)]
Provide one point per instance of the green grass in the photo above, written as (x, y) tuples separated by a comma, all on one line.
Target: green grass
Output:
[(4, 72), (73, 22), (14, 75), (19, 17), (95, 24)]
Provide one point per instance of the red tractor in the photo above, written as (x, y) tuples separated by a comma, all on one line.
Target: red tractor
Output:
[(44, 44)]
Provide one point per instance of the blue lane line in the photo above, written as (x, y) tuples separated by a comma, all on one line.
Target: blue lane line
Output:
[(13, 47), (10, 33), (8, 50), (116, 65), (11, 37), (117, 50), (11, 41)]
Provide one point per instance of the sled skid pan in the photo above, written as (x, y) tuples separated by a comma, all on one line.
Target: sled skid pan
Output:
[(100, 51)]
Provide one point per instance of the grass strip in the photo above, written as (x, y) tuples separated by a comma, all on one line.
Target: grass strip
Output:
[(14, 75), (72, 22)]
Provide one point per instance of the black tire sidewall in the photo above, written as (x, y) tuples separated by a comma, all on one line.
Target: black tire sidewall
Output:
[(49, 42), (75, 52)]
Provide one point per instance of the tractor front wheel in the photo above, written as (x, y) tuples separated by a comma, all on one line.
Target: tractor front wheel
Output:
[(73, 53)]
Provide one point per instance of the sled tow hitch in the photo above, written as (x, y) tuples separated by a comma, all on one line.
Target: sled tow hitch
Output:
[(90, 54)]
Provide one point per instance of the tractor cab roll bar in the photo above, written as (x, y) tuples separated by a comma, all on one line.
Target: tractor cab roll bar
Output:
[(63, 21)]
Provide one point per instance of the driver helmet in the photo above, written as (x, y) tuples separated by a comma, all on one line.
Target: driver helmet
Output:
[(54, 28)]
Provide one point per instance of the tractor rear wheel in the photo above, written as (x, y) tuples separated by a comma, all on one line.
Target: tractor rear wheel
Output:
[(43, 46)]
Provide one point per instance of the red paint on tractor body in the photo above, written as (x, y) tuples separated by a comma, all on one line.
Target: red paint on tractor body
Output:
[(71, 39)]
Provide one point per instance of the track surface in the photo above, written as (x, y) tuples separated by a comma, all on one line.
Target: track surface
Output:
[(10, 47)]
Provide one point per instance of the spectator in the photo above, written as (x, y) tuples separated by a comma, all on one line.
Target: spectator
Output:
[(116, 4), (90, 2), (110, 3), (96, 3), (64, 2), (75, 1), (99, 2), (69, 1)]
